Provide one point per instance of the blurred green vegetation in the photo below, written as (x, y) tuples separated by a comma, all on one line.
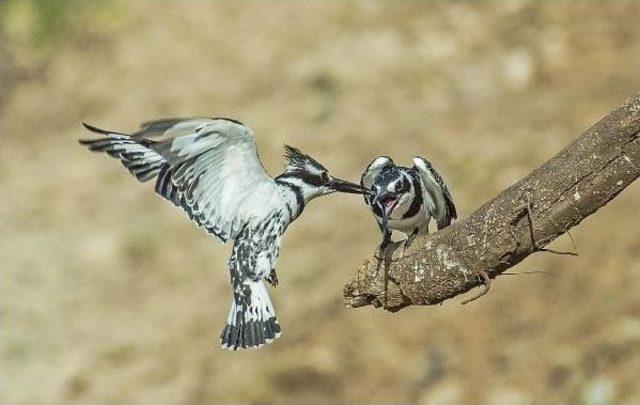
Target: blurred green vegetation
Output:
[(44, 23), (31, 31)]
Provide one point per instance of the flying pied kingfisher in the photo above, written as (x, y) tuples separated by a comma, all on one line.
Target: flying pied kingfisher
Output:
[(405, 199), (210, 168)]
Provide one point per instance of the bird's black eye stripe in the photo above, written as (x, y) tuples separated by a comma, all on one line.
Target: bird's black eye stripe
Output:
[(312, 179), (309, 178)]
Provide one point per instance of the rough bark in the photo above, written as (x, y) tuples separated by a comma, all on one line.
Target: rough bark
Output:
[(574, 184)]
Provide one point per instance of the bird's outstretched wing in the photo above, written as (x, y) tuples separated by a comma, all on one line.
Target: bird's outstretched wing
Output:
[(207, 166), (372, 171), (433, 184)]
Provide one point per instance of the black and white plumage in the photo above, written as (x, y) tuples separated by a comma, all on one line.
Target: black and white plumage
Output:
[(210, 168), (405, 199)]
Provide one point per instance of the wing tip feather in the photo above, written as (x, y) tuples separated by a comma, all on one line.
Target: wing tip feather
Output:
[(95, 129)]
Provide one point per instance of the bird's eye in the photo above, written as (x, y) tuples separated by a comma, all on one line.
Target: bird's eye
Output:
[(402, 187), (325, 177)]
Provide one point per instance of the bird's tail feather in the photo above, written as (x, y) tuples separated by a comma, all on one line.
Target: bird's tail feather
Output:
[(448, 216), (444, 222), (251, 322)]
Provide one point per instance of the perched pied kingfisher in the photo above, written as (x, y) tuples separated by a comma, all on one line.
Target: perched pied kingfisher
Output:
[(405, 199), (210, 168)]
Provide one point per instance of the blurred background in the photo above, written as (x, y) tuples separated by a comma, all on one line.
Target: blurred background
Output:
[(110, 295)]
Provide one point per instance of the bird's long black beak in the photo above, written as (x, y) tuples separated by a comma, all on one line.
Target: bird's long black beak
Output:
[(378, 200), (344, 186)]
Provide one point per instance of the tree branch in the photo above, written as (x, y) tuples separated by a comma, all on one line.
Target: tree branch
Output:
[(521, 220)]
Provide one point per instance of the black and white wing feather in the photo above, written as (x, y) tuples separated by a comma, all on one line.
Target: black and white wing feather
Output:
[(207, 166), (372, 171), (433, 184)]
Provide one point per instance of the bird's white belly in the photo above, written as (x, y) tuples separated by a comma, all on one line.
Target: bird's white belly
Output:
[(420, 221)]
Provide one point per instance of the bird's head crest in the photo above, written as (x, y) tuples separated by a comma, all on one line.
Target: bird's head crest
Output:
[(296, 161)]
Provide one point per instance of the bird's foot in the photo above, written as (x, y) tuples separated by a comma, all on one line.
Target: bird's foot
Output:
[(273, 278), (385, 254), (381, 253), (410, 239), (383, 249)]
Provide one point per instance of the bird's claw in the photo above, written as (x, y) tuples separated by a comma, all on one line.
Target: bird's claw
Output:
[(380, 253), (273, 278)]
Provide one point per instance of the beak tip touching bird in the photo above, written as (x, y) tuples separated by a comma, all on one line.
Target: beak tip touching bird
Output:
[(209, 168)]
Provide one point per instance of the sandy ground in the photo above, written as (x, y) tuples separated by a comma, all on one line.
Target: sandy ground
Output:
[(110, 295)]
